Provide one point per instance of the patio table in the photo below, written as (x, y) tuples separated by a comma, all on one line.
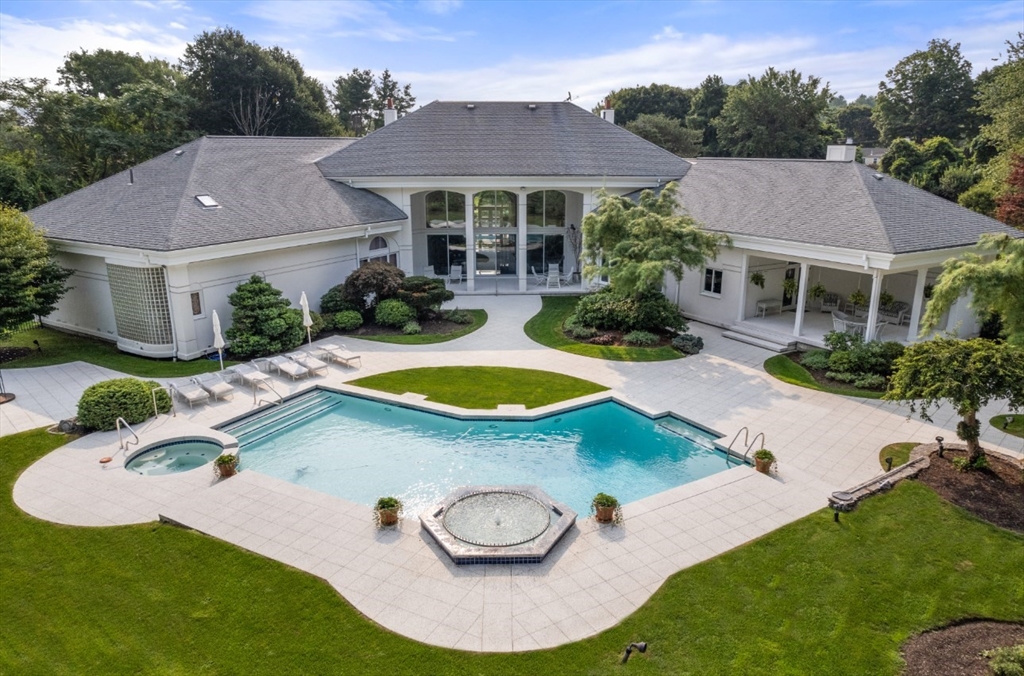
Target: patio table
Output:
[(768, 303)]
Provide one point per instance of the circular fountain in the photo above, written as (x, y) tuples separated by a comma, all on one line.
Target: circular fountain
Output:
[(498, 524)]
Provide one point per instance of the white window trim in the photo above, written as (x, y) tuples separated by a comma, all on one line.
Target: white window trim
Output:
[(712, 294)]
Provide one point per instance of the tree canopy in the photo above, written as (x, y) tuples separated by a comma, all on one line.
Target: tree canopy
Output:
[(31, 282), (929, 93), (855, 122), (353, 101), (631, 102), (937, 165), (636, 243), (105, 72), (997, 285), (667, 132), (966, 374), (705, 107), (776, 115)]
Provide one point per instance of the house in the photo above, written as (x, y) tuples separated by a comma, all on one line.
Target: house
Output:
[(156, 248), (872, 156)]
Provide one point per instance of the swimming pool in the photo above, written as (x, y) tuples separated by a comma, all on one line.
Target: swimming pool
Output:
[(361, 449)]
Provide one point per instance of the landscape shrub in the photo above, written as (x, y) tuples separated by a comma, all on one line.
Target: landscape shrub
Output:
[(412, 328), (648, 311), (371, 284), (334, 301), (130, 398), (841, 340), (347, 320), (393, 312), (319, 323), (261, 321), (640, 338), (1007, 661), (687, 343), (602, 339), (424, 295), (458, 316), (816, 359), (575, 330)]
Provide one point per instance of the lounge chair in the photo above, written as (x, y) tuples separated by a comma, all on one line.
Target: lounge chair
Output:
[(455, 274), (309, 361), (189, 392), (215, 385), (249, 374), (554, 277), (340, 354), (288, 366)]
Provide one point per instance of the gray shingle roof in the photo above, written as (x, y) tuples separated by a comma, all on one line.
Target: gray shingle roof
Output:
[(497, 138), (837, 204), (265, 186)]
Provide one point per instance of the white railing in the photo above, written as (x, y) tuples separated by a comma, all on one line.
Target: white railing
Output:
[(120, 442), (156, 411)]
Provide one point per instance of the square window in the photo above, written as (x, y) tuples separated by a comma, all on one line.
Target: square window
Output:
[(712, 281)]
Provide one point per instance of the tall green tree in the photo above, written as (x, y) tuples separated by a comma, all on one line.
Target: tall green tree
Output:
[(667, 132), (855, 122), (995, 279), (353, 101), (386, 87), (636, 243), (262, 322), (105, 72), (929, 93), (937, 165), (631, 102), (776, 115), (31, 281), (705, 107), (966, 374), (243, 88)]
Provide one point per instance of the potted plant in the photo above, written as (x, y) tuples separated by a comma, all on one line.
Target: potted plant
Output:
[(764, 460), (790, 286), (858, 299), (817, 291), (885, 299), (226, 465), (757, 279), (387, 510), (605, 507)]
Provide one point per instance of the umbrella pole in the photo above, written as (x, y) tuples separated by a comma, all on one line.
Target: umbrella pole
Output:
[(220, 353), (309, 334)]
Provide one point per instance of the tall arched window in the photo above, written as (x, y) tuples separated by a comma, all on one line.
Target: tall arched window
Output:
[(446, 209), (379, 250), (494, 209), (546, 209)]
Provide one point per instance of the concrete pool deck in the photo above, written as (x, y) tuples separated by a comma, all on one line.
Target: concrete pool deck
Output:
[(398, 577)]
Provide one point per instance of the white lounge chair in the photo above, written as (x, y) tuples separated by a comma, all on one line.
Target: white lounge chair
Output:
[(309, 361), (215, 385), (554, 277), (288, 366), (189, 392), (250, 374), (340, 354)]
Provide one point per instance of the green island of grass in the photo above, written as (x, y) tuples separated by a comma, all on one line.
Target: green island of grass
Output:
[(479, 319), (545, 328), (482, 386), (813, 597), (899, 452), (1016, 428), (788, 371)]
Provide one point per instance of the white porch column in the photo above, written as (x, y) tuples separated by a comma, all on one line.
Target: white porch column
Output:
[(876, 291), (917, 306), (741, 311), (470, 245), (521, 241), (801, 299)]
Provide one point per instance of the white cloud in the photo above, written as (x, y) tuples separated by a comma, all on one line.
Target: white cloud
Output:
[(34, 49), (668, 33), (440, 6), (176, 25), (348, 18)]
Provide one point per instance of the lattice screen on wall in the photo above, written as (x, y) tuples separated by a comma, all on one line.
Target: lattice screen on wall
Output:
[(140, 304)]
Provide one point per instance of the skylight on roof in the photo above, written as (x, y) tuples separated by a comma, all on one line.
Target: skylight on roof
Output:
[(207, 202)]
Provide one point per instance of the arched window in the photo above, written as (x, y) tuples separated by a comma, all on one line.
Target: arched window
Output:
[(445, 209), (379, 250), (494, 209), (378, 243), (546, 209)]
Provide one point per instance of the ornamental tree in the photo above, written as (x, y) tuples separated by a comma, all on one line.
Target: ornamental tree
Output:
[(31, 282), (667, 132), (1010, 205), (636, 243), (261, 322), (997, 285), (966, 374), (369, 284)]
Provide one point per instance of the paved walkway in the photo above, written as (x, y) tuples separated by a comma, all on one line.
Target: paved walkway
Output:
[(399, 578)]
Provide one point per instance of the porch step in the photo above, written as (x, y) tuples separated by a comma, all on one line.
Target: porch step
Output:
[(763, 339)]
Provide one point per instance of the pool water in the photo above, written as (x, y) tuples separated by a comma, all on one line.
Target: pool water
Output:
[(174, 456), (359, 449)]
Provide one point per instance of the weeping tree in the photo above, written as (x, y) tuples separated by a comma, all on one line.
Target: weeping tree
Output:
[(636, 243), (966, 374)]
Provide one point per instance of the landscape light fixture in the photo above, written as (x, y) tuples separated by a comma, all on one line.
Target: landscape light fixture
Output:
[(639, 647), (942, 449), (888, 464), (1007, 421)]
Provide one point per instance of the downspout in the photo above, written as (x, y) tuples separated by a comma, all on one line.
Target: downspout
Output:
[(170, 312)]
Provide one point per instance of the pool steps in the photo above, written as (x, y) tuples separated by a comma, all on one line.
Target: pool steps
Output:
[(277, 418)]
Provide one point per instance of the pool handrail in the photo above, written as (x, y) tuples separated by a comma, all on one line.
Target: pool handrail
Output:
[(122, 444), (753, 443), (267, 401), (156, 411), (746, 437)]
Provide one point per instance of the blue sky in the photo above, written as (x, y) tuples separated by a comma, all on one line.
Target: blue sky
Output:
[(450, 49)]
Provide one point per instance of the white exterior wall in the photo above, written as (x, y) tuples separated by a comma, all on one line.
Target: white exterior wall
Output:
[(717, 311), (86, 308)]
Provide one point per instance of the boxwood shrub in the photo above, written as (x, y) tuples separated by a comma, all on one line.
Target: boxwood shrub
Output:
[(649, 311), (412, 328), (640, 338), (393, 312), (347, 320), (129, 398), (688, 343)]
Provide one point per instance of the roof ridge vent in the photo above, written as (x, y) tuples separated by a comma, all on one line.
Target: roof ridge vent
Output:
[(470, 106), (532, 106)]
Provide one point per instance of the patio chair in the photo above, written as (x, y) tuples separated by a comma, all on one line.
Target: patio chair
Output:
[(190, 392), (538, 278), (568, 277), (429, 272), (554, 278), (894, 313), (839, 321), (288, 366), (340, 354), (250, 374), (455, 274), (309, 361), (831, 301), (215, 385)]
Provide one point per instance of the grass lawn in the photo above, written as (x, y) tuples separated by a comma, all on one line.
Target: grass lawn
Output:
[(900, 453), (811, 598), (479, 319), (60, 348), (546, 328), (1016, 428), (482, 386), (788, 371)]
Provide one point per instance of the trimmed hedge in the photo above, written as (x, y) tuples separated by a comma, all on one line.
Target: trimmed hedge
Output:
[(129, 398), (393, 312), (424, 295), (649, 311), (347, 320)]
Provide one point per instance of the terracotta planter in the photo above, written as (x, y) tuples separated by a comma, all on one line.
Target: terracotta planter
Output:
[(763, 466), (605, 514), (388, 517), (227, 470)]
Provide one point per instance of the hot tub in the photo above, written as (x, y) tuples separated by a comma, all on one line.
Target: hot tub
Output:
[(170, 457)]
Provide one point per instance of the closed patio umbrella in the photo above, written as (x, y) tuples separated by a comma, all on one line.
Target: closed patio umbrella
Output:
[(307, 321), (218, 340)]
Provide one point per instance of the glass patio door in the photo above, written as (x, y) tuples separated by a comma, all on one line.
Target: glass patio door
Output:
[(495, 254)]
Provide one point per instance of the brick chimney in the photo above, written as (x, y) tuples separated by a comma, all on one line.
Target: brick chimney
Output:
[(390, 114), (608, 113)]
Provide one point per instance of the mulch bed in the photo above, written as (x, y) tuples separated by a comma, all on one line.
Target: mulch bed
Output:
[(614, 339), (995, 494), (820, 377), (11, 353), (955, 650), (431, 326)]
